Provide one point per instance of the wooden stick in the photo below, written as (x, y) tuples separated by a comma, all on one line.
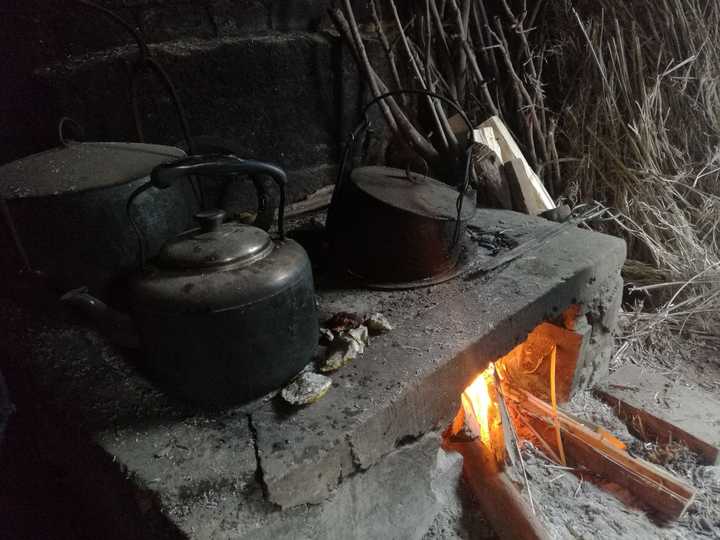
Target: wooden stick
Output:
[(416, 68), (389, 53), (470, 55), (499, 499), (521, 92), (650, 427), (556, 422), (364, 62), (484, 31), (315, 201), (452, 140), (463, 18), (394, 114), (587, 448), (446, 61), (517, 24)]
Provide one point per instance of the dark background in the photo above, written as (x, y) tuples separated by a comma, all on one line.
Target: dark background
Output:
[(263, 75)]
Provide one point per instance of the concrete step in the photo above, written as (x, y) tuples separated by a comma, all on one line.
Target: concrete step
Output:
[(285, 97)]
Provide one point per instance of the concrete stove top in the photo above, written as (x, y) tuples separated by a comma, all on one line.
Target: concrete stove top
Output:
[(228, 473)]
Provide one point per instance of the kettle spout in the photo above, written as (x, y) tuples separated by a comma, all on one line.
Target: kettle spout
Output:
[(116, 326)]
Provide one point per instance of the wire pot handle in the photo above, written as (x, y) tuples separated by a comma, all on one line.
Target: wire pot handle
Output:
[(454, 104), (364, 125)]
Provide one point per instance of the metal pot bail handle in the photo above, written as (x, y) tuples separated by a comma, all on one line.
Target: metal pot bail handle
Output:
[(167, 174), (64, 121), (364, 125)]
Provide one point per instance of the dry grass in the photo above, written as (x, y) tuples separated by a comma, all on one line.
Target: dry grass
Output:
[(639, 130), (610, 100)]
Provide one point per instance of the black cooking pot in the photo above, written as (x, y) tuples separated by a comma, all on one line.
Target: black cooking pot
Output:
[(394, 228), (66, 212)]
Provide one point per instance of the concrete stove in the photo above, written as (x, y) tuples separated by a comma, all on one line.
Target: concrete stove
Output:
[(364, 461)]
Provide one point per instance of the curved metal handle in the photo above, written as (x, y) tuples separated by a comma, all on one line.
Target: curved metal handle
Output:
[(167, 174), (61, 129), (364, 125)]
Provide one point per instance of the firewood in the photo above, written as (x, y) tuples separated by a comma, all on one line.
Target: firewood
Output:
[(592, 450), (487, 162), (315, 201), (633, 392), (513, 184), (491, 178), (501, 503), (534, 194), (486, 136)]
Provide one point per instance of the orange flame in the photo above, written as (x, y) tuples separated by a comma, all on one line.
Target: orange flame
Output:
[(477, 401)]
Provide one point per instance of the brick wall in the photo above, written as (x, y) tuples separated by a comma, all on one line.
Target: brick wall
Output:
[(263, 75)]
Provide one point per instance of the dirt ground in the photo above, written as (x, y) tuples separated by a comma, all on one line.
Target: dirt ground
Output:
[(572, 505)]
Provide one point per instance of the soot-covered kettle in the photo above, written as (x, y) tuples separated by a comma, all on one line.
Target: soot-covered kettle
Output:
[(224, 313)]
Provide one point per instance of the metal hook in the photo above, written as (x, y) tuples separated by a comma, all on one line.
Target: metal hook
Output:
[(61, 125)]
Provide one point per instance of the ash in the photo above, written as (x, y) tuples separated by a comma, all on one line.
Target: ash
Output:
[(575, 505)]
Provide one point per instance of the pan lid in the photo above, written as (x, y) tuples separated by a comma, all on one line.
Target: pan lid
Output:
[(417, 194), (81, 166)]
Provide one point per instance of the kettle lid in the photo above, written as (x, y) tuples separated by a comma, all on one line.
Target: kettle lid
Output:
[(215, 244)]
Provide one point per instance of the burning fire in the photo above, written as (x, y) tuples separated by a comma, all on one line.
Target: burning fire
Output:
[(541, 367), (479, 404)]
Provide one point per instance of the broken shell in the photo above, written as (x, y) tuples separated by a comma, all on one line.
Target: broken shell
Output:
[(307, 388), (345, 347), (377, 323), (360, 335), (326, 336), (344, 350)]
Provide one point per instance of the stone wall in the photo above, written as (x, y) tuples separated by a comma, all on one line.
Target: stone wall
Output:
[(265, 76)]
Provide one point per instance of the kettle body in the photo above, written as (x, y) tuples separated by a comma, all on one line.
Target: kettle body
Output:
[(230, 335), (225, 312)]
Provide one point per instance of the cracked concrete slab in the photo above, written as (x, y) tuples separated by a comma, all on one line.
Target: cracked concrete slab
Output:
[(399, 498), (409, 381), (263, 456)]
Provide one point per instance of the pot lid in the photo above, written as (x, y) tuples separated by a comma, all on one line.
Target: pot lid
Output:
[(215, 243), (415, 193), (81, 166)]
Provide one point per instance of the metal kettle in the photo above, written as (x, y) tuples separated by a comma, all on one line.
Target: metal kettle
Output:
[(225, 313)]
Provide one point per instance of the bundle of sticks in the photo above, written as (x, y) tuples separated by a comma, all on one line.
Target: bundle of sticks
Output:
[(480, 59)]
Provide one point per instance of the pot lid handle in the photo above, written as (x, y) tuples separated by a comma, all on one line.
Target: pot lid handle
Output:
[(167, 174), (210, 220)]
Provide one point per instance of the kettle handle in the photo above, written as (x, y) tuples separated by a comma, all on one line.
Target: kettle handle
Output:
[(167, 174)]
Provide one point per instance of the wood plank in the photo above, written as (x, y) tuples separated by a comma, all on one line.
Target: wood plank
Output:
[(656, 409), (486, 136), (315, 201), (501, 503), (536, 197), (592, 449), (668, 504)]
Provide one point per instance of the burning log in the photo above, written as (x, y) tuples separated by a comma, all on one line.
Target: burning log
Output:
[(502, 398)]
